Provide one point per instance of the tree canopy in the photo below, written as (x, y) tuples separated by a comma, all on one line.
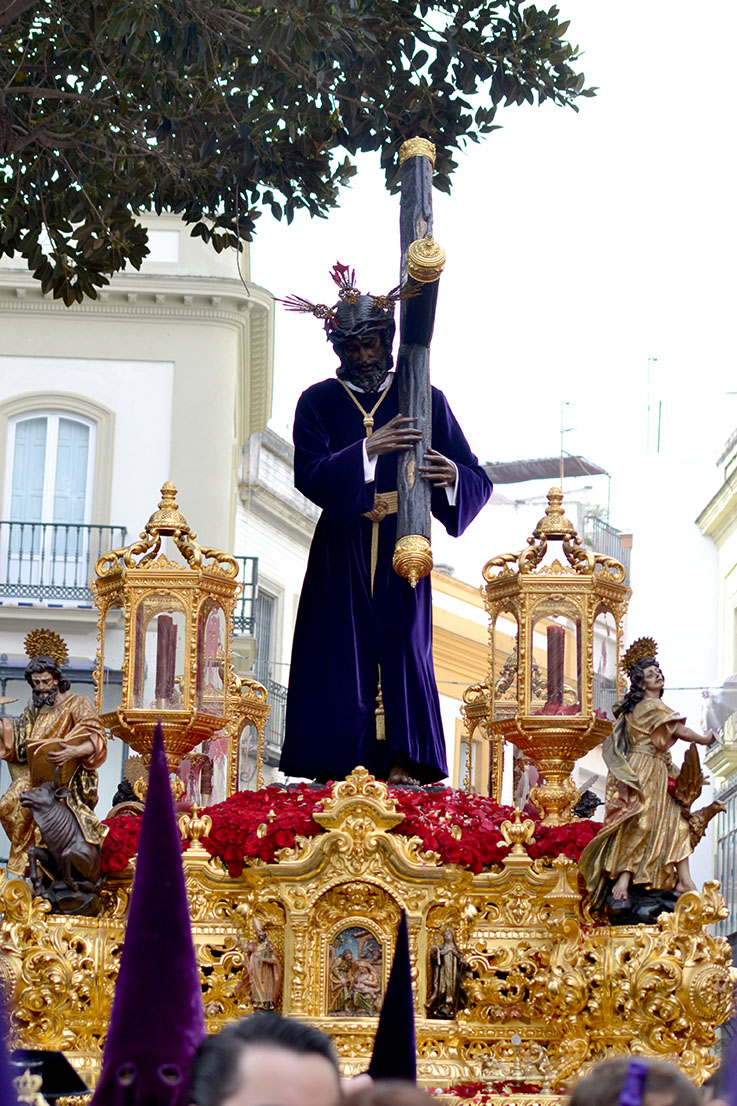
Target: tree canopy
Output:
[(217, 110)]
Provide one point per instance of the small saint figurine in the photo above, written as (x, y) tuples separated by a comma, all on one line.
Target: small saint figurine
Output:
[(649, 831), (448, 967), (263, 973), (60, 742)]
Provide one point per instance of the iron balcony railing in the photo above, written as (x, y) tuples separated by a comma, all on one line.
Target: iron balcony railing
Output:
[(46, 561), (244, 614), (603, 538), (274, 733)]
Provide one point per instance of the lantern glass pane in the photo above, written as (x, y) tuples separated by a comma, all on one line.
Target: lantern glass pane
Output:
[(211, 658), (159, 660), (112, 642), (505, 673), (605, 663), (556, 656)]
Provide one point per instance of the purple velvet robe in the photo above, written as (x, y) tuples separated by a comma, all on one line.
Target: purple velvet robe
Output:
[(342, 634)]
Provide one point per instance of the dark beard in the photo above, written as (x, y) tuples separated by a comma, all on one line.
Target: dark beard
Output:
[(45, 698), (369, 377)]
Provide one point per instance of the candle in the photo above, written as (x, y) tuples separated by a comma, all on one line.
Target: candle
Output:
[(556, 652), (166, 651)]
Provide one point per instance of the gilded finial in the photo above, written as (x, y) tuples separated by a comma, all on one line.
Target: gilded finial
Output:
[(554, 523), (518, 833), (417, 147), (195, 826), (168, 519), (425, 260)]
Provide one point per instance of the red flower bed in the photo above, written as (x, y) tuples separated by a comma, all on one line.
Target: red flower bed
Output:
[(569, 840), (253, 825), (484, 1090), (121, 842), (462, 828)]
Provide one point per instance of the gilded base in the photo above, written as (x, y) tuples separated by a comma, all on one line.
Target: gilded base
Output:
[(412, 558), (573, 992)]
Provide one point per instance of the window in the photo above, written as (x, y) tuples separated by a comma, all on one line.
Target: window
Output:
[(265, 620), (45, 534), (50, 468)]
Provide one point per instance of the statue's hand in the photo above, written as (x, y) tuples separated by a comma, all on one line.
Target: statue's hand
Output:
[(395, 436), (65, 751), (438, 470)]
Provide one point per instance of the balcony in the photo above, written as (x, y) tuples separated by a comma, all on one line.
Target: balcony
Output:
[(52, 562), (603, 538), (244, 619), (274, 733)]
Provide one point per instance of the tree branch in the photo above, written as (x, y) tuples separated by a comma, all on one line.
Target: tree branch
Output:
[(13, 9)]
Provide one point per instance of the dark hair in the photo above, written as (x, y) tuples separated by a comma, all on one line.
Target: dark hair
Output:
[(37, 665), (214, 1074), (636, 692), (389, 1092), (604, 1084)]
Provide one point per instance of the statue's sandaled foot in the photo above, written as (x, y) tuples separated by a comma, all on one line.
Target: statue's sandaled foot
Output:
[(621, 888), (685, 885), (399, 777)]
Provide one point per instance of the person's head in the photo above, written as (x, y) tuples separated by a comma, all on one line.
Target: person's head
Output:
[(362, 336), (46, 680), (265, 1060), (645, 675), (663, 1085), (388, 1092)]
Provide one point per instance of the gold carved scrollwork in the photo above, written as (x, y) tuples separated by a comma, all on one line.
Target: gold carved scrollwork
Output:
[(571, 992)]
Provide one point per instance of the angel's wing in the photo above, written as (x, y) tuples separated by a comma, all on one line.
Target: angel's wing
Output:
[(690, 780)]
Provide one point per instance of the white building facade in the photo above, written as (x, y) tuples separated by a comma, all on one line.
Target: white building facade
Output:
[(163, 377)]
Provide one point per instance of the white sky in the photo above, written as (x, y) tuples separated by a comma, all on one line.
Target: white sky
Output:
[(579, 246)]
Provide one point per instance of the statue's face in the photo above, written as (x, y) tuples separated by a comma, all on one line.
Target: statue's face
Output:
[(45, 689), (365, 361), (652, 678), (363, 351), (44, 682)]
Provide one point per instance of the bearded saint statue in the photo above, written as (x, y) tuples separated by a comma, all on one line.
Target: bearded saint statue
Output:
[(60, 737)]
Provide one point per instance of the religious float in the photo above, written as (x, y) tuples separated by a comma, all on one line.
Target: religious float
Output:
[(520, 985)]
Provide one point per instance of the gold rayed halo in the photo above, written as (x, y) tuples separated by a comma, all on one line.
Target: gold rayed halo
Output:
[(46, 643), (643, 647)]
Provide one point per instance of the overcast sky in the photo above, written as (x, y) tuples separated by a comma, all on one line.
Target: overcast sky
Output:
[(579, 246)]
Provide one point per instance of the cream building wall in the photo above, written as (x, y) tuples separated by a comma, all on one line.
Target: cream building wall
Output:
[(274, 523), (171, 368), (718, 521)]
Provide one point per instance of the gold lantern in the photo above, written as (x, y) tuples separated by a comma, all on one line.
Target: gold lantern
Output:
[(555, 634), (178, 625)]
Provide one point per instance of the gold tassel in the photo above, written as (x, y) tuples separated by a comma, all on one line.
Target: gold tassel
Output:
[(379, 712)]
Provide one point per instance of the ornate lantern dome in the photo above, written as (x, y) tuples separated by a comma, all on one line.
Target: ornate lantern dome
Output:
[(555, 630)]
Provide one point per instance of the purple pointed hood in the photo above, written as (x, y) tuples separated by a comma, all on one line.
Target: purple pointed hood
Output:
[(395, 1044), (157, 1019)]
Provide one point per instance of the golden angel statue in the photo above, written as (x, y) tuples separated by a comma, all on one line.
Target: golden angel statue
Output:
[(649, 830)]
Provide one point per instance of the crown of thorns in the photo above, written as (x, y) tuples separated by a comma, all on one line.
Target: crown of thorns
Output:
[(638, 650), (345, 278)]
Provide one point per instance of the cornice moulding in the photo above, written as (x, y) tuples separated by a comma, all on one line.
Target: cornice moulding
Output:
[(720, 513)]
